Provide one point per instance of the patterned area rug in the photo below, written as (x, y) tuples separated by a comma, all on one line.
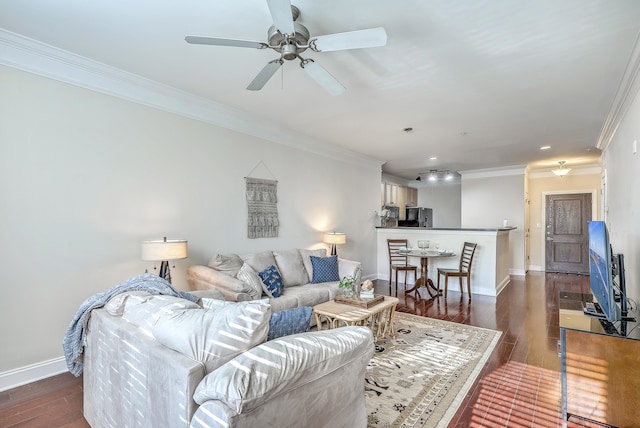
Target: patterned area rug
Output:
[(420, 378)]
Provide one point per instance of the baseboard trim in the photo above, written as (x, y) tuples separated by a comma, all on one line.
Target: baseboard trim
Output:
[(518, 272), (34, 372), (501, 286)]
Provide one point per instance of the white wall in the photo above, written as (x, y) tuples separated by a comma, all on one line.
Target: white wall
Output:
[(86, 177), (622, 202), (445, 200), (488, 198)]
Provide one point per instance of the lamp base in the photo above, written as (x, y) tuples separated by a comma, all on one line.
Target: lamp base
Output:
[(165, 272), (334, 250)]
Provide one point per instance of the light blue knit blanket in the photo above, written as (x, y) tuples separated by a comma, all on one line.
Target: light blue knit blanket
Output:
[(73, 342)]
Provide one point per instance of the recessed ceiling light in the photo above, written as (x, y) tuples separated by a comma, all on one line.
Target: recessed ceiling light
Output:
[(433, 158), (545, 147)]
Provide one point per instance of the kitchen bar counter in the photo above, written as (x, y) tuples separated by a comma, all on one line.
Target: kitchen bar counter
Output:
[(490, 269), (500, 229)]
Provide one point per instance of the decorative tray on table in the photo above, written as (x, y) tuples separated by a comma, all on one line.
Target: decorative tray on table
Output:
[(362, 302)]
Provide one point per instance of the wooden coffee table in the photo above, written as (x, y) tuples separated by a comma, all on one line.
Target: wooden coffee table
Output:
[(378, 318)]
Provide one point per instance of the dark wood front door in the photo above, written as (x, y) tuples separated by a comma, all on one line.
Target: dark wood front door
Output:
[(567, 234)]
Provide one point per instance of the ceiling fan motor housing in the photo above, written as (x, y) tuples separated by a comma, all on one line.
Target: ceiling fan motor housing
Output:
[(287, 45)]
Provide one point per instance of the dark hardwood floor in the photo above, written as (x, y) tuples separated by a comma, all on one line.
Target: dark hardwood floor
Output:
[(518, 387)]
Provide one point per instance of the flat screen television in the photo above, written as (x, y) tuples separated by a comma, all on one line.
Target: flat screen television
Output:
[(601, 267)]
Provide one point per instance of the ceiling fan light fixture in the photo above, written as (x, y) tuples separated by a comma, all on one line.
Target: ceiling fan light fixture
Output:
[(562, 170)]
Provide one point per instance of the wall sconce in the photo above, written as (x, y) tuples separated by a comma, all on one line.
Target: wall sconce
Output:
[(334, 238), (163, 251), (562, 170)]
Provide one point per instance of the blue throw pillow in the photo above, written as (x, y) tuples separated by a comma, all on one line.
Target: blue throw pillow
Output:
[(325, 269), (289, 321), (272, 279)]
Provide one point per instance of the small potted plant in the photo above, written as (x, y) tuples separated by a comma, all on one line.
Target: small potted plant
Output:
[(347, 283)]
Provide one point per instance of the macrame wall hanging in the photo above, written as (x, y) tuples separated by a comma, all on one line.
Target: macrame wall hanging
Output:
[(262, 199)]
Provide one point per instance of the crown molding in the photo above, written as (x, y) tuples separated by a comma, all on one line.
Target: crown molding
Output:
[(628, 89), (35, 57), (493, 172), (575, 170)]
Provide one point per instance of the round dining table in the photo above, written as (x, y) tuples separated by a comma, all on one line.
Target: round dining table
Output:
[(424, 280)]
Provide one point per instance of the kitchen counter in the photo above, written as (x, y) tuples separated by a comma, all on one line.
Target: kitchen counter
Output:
[(472, 229), (490, 269)]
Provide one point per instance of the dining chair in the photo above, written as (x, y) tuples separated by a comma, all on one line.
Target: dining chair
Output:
[(463, 270), (399, 262)]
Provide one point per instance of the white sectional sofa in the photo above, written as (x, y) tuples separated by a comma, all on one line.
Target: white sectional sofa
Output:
[(294, 265), (164, 361)]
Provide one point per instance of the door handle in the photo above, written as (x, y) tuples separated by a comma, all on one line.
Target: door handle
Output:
[(549, 238)]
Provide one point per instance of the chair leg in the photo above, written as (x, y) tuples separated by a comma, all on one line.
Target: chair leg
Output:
[(396, 282), (446, 284), (438, 282), (469, 285)]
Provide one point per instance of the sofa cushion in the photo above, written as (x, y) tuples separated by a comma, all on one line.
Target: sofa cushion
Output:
[(306, 259), (226, 263), (289, 321), (325, 269), (272, 280), (214, 337), (259, 261), (115, 305), (285, 364), (251, 278), (208, 294), (285, 301), (310, 294), (291, 267), (146, 312)]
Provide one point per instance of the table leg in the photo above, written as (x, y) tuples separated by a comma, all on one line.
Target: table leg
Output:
[(424, 280)]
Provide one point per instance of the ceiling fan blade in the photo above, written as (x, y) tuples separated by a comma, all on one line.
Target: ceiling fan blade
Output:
[(373, 37), (322, 77), (265, 74), (282, 17), (201, 40)]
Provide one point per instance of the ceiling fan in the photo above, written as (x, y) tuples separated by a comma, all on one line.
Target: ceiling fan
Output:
[(290, 39)]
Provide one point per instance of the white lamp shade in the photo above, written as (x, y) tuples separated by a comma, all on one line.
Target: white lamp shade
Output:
[(335, 238), (164, 250)]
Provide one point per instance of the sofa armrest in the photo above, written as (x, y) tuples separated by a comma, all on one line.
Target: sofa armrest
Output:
[(284, 365), (348, 268), (205, 278)]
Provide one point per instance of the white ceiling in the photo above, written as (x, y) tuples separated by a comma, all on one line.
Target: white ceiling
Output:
[(483, 84)]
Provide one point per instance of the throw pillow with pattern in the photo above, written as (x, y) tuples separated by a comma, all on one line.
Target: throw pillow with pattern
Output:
[(251, 278), (289, 321), (272, 280), (325, 269)]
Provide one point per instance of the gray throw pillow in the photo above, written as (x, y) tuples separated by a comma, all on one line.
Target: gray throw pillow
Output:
[(291, 267), (228, 264), (255, 285), (306, 259)]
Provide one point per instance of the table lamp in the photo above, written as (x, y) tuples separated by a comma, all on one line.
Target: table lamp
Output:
[(334, 238), (163, 251)]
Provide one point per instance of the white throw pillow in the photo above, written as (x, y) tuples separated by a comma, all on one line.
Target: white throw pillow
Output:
[(215, 337), (249, 276)]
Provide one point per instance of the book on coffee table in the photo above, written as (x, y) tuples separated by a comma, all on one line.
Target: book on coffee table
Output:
[(362, 302)]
